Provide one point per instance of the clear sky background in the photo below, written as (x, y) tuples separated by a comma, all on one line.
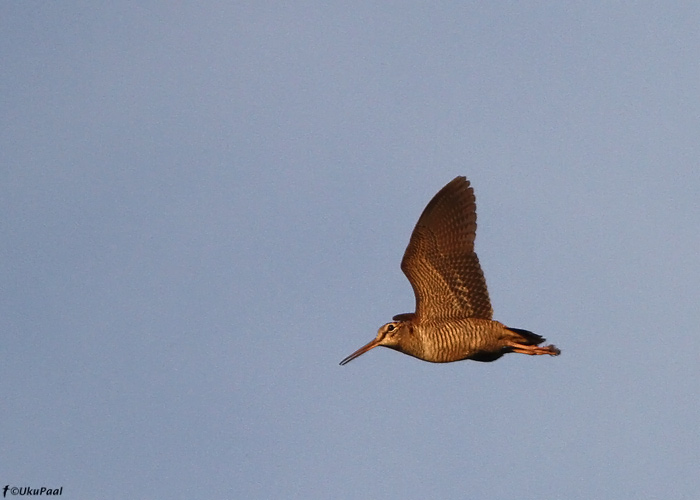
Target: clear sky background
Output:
[(203, 208)]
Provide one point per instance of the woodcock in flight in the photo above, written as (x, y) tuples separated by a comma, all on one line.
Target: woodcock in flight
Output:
[(453, 312)]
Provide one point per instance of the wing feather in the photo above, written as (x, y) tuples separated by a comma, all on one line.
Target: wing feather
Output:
[(440, 261)]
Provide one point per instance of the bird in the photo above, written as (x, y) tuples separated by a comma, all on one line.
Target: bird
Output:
[(453, 320)]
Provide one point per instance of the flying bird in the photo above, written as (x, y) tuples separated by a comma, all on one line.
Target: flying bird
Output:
[(453, 318)]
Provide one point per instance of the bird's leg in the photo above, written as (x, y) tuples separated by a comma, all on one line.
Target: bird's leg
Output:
[(534, 350)]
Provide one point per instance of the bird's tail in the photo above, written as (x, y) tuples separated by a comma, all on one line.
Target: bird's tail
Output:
[(527, 337)]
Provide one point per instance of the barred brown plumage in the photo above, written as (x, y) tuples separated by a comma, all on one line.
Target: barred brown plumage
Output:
[(453, 318)]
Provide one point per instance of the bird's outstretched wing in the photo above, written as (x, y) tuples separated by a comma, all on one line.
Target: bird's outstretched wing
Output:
[(440, 261)]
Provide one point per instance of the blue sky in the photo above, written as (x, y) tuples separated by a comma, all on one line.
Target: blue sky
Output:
[(204, 207)]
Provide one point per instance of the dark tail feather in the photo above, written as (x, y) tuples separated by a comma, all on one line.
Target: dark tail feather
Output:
[(528, 337)]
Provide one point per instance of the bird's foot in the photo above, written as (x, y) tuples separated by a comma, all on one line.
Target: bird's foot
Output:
[(534, 350)]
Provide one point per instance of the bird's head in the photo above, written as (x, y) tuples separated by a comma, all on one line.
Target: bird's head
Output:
[(387, 336)]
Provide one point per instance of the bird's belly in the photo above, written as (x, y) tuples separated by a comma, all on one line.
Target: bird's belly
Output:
[(463, 339)]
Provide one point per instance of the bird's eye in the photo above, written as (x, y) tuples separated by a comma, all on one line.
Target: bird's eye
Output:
[(390, 328)]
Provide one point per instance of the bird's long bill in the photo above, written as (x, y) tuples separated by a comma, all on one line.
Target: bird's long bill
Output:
[(360, 351)]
